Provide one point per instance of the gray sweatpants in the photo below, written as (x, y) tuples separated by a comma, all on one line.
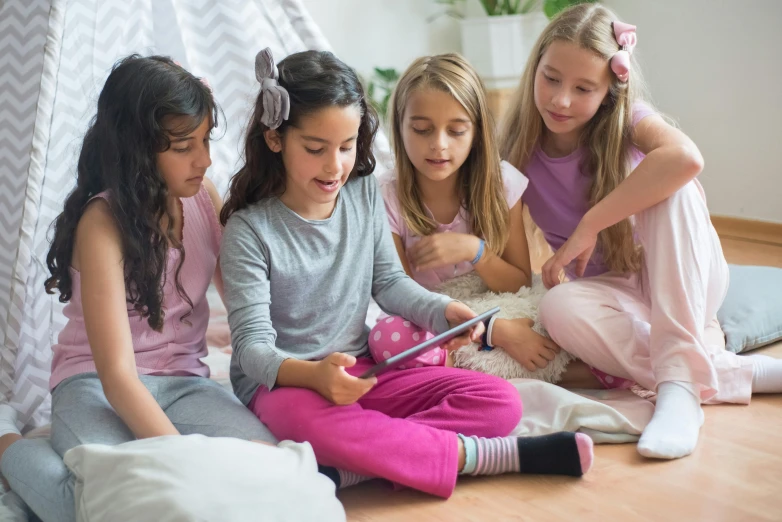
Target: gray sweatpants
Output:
[(82, 415)]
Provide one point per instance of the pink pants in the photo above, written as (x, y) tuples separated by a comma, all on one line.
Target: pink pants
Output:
[(659, 325), (393, 335), (403, 430)]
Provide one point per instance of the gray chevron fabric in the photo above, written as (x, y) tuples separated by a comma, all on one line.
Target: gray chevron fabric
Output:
[(54, 57), (23, 30)]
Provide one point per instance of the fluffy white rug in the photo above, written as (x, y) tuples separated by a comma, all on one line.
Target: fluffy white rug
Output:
[(471, 290)]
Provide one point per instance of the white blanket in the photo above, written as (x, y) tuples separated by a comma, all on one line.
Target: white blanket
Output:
[(607, 416)]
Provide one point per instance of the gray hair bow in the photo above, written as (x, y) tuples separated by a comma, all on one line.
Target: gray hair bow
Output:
[(276, 100)]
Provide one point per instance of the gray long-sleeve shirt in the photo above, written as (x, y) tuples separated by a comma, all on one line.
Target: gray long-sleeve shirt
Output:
[(300, 288)]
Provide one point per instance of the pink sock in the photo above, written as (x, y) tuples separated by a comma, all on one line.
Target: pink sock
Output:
[(586, 450)]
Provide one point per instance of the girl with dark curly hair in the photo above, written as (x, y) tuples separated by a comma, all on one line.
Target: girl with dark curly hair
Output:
[(133, 254)]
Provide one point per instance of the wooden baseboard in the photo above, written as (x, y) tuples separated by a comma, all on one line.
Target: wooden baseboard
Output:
[(748, 229)]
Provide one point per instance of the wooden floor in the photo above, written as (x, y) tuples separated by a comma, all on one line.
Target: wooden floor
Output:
[(734, 475)]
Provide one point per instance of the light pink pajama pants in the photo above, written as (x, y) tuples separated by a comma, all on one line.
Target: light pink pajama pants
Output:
[(659, 325)]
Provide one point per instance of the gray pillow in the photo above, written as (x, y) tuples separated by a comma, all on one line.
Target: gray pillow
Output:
[(751, 315)]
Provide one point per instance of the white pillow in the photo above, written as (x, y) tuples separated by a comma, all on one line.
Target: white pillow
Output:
[(193, 477)]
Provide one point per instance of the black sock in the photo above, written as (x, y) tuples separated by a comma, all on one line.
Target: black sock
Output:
[(555, 454)]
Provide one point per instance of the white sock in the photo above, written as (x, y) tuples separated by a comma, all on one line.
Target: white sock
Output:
[(673, 431), (766, 374), (8, 420)]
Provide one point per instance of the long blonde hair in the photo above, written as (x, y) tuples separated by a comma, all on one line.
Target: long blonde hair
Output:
[(608, 135), (480, 182)]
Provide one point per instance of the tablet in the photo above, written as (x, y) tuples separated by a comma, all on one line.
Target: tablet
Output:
[(434, 342)]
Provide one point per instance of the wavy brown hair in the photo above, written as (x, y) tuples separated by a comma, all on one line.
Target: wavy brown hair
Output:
[(119, 155), (608, 135), (480, 182), (314, 80)]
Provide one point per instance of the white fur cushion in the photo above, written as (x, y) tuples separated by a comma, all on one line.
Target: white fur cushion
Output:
[(471, 290), (192, 477)]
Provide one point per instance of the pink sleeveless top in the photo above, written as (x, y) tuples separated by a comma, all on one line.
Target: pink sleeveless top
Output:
[(179, 347)]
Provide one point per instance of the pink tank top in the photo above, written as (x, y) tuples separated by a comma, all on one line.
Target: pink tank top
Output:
[(178, 348)]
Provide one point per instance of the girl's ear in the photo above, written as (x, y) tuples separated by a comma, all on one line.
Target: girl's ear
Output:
[(273, 140)]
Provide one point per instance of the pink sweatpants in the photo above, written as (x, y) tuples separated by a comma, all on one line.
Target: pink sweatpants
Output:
[(403, 430), (393, 335), (659, 325)]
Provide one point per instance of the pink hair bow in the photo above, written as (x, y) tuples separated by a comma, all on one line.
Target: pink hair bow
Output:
[(625, 37)]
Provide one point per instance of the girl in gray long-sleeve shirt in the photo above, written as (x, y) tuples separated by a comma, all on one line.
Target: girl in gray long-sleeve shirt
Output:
[(306, 245)]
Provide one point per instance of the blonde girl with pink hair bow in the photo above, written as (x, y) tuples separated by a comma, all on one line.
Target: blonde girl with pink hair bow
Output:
[(613, 188)]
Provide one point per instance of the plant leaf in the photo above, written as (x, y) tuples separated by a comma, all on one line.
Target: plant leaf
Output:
[(387, 75), (553, 7), (529, 6), (492, 7)]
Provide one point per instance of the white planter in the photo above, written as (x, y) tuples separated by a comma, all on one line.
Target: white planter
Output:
[(498, 46)]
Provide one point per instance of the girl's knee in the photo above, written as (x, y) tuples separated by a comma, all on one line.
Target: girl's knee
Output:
[(558, 305), (686, 198), (234, 421), (499, 406), (290, 413), (393, 335), (512, 408), (685, 208)]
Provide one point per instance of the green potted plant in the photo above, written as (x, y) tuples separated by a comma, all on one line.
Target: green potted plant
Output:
[(498, 42), (379, 87)]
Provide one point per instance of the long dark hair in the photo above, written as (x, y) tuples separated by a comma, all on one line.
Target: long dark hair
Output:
[(314, 80), (119, 155)]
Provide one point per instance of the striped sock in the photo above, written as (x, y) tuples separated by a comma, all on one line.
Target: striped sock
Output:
[(559, 454), (342, 478), (496, 455), (348, 478)]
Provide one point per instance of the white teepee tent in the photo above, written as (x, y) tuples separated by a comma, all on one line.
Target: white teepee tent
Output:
[(54, 58)]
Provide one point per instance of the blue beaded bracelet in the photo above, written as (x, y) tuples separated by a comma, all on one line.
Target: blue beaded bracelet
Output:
[(479, 255)]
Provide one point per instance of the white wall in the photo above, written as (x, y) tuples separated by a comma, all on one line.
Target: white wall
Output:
[(713, 65), (716, 67), (383, 33)]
